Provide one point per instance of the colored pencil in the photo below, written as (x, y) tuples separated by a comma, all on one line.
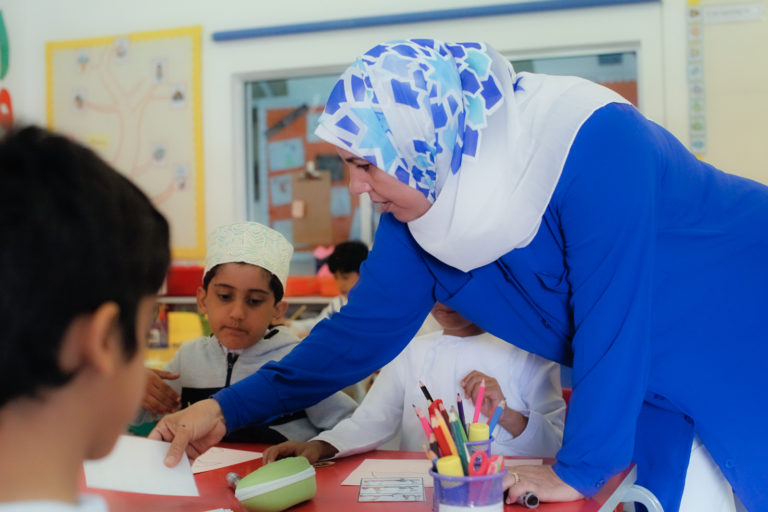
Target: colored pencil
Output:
[(449, 437), (479, 401), (443, 410), (458, 436), (496, 417), (423, 419), (433, 443), (426, 393), (432, 456), (458, 419), (442, 442), (460, 407)]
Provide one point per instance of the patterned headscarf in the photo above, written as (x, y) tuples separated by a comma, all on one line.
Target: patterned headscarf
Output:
[(438, 96), (455, 122)]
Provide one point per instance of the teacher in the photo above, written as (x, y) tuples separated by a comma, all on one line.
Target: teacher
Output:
[(551, 213)]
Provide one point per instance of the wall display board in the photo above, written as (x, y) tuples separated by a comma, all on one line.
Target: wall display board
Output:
[(291, 147), (136, 100), (727, 93)]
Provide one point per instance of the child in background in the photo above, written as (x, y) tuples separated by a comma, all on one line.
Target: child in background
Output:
[(344, 263), (83, 255), (531, 423), (246, 267)]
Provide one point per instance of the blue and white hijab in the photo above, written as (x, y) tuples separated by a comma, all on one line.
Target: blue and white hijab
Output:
[(485, 145)]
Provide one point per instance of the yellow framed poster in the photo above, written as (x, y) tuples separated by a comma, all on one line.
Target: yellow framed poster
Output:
[(135, 99)]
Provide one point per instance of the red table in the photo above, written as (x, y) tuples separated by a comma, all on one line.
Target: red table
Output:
[(331, 495)]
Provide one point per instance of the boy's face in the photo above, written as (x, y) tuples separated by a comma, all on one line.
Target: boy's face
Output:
[(240, 304), (451, 321), (126, 384), (345, 281)]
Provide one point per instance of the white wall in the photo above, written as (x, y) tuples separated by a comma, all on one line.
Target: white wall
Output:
[(655, 30)]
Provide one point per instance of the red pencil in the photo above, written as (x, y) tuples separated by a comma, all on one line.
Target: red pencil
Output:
[(442, 442)]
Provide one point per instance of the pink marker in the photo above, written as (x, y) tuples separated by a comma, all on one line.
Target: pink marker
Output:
[(479, 401)]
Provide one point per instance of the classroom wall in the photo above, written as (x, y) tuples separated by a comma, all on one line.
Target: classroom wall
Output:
[(656, 30)]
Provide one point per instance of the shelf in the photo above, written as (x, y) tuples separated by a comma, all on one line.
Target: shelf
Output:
[(310, 299), (177, 300)]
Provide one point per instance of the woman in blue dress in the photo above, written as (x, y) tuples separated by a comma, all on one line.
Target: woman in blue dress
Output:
[(551, 213)]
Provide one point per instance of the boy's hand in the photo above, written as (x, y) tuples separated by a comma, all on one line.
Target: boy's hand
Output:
[(159, 397), (194, 430), (312, 450), (541, 480), (492, 395)]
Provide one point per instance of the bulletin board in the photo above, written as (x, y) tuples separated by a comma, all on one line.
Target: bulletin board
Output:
[(135, 99), (727, 77), (290, 144)]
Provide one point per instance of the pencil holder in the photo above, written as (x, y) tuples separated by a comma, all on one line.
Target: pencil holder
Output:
[(479, 446), (476, 493)]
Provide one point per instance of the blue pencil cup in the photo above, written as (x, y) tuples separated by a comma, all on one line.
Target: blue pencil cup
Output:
[(459, 493), (479, 446)]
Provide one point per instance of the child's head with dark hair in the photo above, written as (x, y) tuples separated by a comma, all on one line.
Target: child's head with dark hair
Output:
[(344, 263), (246, 267), (83, 252)]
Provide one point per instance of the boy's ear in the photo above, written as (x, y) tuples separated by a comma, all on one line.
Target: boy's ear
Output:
[(280, 309), (100, 347), (201, 293)]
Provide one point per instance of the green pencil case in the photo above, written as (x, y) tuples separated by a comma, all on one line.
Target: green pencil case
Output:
[(277, 486)]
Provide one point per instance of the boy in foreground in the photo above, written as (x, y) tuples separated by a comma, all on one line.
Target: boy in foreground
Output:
[(83, 254)]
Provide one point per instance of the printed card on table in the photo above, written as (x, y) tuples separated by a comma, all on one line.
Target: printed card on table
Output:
[(391, 489)]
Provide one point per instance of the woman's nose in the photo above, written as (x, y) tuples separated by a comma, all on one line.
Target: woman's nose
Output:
[(358, 181)]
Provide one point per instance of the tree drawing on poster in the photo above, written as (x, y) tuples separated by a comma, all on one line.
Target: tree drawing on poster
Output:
[(135, 100)]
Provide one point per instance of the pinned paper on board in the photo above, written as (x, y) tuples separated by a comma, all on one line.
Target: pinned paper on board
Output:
[(286, 154), (340, 203), (280, 189), (312, 200)]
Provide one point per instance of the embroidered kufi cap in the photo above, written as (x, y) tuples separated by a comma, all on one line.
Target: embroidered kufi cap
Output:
[(250, 242)]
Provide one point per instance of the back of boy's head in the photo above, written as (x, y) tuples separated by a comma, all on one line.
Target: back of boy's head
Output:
[(74, 234), (347, 257), (251, 243)]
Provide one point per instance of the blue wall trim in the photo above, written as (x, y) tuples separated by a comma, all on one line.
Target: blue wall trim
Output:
[(417, 17)]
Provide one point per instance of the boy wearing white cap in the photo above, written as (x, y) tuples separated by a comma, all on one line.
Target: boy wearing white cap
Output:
[(246, 267)]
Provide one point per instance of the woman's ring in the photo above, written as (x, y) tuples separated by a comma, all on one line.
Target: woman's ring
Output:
[(517, 478)]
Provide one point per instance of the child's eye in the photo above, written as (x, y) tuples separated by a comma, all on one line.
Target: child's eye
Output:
[(254, 302), (224, 296), (364, 167)]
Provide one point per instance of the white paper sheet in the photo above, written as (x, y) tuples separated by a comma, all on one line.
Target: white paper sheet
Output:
[(216, 458), (136, 465), (407, 468)]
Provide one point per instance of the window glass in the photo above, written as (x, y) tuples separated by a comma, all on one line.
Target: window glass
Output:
[(315, 209)]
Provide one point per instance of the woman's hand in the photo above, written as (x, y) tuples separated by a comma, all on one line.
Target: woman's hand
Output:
[(312, 450), (159, 397), (492, 395), (194, 430), (541, 480)]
